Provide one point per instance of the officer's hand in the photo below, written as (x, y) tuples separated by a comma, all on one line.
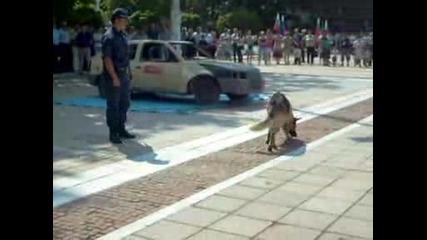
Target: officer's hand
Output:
[(116, 83)]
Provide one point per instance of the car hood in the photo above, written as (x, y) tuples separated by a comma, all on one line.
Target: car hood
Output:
[(208, 63)]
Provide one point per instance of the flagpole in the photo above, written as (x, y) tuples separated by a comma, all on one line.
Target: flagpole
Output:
[(283, 25)]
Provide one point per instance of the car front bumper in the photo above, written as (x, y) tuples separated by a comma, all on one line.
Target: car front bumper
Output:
[(241, 84)]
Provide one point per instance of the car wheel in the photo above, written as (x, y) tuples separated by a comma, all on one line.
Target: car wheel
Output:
[(206, 90), (102, 85), (237, 97)]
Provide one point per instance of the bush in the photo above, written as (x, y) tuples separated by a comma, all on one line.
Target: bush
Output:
[(191, 20), (242, 19)]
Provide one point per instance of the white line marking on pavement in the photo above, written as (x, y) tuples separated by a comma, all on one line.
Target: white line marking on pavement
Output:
[(71, 188), (176, 207), (328, 78)]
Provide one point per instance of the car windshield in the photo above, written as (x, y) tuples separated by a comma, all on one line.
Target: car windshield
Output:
[(189, 51)]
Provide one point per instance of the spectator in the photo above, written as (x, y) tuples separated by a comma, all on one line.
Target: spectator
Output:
[(66, 54), (55, 49), (84, 41)]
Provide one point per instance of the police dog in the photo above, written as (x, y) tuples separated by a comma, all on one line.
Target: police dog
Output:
[(280, 116)]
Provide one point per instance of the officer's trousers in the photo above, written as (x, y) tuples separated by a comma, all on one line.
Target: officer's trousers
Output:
[(118, 102)]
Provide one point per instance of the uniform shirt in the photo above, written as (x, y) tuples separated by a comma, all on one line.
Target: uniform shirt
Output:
[(115, 46)]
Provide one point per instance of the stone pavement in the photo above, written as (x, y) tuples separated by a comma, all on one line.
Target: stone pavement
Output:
[(80, 135), (324, 194)]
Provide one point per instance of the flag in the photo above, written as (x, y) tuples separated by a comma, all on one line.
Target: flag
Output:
[(326, 27), (283, 26), (317, 32), (276, 26)]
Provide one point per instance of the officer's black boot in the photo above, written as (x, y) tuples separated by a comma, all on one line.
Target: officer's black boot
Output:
[(115, 137), (123, 133)]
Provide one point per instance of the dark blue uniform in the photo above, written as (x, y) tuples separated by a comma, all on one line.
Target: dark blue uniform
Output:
[(115, 46)]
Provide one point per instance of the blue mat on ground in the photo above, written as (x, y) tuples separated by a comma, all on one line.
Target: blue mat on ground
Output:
[(160, 104)]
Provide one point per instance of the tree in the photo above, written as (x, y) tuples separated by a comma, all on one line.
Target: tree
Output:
[(191, 20), (63, 9), (86, 14), (242, 19), (141, 18)]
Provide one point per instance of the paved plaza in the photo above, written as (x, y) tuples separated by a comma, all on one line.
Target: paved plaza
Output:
[(205, 176), (325, 194)]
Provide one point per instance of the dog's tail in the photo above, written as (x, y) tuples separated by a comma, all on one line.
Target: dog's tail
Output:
[(261, 125)]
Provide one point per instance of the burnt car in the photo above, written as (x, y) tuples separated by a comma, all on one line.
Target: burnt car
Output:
[(180, 67)]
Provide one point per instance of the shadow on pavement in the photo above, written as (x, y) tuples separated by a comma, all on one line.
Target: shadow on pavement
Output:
[(329, 116), (293, 148), (138, 152)]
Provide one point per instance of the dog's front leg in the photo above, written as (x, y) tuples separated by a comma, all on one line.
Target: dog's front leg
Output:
[(288, 137), (268, 137), (287, 134)]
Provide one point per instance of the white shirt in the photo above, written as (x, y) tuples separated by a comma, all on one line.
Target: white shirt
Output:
[(209, 38), (335, 52), (97, 37), (196, 36), (235, 37), (64, 36)]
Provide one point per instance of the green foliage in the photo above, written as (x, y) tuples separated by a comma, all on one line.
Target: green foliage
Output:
[(242, 19), (141, 11), (191, 20), (244, 14), (140, 18), (61, 9), (86, 14), (77, 11)]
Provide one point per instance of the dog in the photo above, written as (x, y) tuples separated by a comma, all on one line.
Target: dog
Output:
[(280, 116)]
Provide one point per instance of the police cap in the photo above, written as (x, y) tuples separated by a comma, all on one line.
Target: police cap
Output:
[(119, 13)]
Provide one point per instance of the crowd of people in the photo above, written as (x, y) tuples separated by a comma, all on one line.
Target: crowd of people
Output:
[(300, 46), (74, 46)]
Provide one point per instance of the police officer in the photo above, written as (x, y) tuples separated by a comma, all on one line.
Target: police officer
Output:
[(117, 76)]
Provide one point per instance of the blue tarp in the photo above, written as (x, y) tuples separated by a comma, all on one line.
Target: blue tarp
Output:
[(164, 104)]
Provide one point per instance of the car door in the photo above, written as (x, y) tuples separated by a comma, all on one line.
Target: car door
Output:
[(172, 71), (146, 72), (161, 67)]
